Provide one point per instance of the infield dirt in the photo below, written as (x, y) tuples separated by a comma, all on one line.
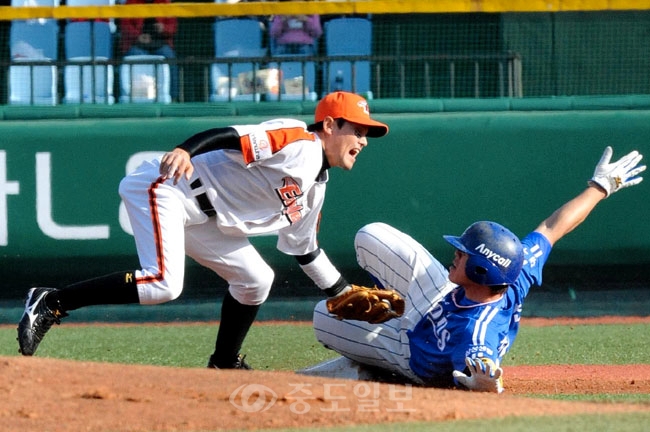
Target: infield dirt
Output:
[(44, 394)]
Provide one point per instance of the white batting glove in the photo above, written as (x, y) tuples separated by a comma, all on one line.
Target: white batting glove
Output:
[(620, 174), (484, 376)]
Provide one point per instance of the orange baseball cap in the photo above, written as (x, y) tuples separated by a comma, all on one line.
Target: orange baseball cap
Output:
[(351, 107)]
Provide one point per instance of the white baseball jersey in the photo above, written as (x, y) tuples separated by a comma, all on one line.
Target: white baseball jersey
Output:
[(274, 185), (277, 186)]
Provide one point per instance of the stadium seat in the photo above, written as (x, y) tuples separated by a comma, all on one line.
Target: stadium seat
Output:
[(235, 38), (81, 78), (111, 21), (32, 85), (145, 78), (348, 37), (295, 76), (295, 79), (30, 41)]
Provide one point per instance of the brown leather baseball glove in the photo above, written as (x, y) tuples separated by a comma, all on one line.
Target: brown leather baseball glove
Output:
[(373, 305)]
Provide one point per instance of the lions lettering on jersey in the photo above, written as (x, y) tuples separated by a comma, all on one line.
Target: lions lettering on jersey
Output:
[(439, 324)]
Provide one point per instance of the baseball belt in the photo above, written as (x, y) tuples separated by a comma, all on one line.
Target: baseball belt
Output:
[(202, 199)]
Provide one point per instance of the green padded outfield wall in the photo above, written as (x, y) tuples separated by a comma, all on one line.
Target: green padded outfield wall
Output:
[(440, 168)]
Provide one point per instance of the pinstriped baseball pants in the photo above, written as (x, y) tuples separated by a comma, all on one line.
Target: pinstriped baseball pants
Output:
[(397, 261)]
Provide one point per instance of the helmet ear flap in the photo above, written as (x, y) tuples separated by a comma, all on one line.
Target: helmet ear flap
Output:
[(480, 270), (476, 270)]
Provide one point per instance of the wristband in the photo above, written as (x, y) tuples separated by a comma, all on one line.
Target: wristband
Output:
[(322, 271)]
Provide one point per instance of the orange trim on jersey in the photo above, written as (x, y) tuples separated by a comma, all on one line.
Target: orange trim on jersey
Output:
[(278, 139), (246, 149), (157, 234)]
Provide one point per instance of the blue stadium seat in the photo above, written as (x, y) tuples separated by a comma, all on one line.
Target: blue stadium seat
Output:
[(240, 37), (294, 79), (348, 36), (79, 80), (33, 41), (78, 35), (295, 76), (145, 79)]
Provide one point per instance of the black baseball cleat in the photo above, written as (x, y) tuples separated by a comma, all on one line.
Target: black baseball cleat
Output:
[(36, 320), (239, 363)]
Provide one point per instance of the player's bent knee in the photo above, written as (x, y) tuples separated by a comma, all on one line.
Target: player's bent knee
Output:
[(251, 296), (371, 228), (255, 289), (160, 292), (369, 233), (168, 295), (263, 279), (368, 238)]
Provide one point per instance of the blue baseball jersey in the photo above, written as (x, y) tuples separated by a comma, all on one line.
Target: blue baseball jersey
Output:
[(457, 327)]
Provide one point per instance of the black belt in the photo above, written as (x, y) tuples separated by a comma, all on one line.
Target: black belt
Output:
[(202, 199)]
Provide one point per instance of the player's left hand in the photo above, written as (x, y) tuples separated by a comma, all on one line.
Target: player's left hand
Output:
[(612, 177), (372, 305), (484, 376), (176, 164)]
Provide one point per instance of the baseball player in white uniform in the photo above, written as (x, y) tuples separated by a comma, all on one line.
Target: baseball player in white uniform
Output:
[(204, 199), (459, 323)]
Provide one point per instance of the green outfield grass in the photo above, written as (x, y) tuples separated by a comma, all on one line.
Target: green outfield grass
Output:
[(289, 346), (578, 423), (269, 347), (581, 344), (293, 346)]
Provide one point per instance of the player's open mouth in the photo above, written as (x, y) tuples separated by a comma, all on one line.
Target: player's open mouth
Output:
[(355, 152)]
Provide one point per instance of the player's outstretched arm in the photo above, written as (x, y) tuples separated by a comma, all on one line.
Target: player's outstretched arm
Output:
[(607, 179)]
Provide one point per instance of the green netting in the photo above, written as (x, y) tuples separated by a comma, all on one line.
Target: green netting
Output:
[(410, 55)]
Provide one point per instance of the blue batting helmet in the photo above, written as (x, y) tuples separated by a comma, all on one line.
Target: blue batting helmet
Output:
[(495, 254)]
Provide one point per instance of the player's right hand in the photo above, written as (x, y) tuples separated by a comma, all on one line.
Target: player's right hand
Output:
[(176, 164), (484, 376)]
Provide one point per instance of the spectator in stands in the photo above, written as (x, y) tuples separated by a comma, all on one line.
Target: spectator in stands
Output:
[(151, 36), (295, 34)]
